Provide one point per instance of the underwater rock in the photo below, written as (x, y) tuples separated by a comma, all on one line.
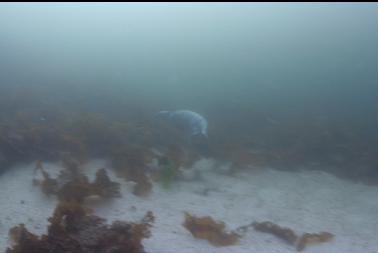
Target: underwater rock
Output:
[(206, 228)]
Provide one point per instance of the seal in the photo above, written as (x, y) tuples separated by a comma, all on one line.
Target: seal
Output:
[(191, 122), (193, 125)]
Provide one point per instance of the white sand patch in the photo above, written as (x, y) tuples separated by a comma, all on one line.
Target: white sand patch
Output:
[(304, 201)]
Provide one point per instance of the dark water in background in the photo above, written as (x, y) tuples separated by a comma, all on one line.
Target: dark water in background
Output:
[(252, 68)]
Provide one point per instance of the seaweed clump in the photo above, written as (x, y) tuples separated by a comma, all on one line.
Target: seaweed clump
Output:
[(74, 228), (206, 228), (72, 185), (308, 238), (289, 236), (284, 233), (168, 172), (130, 164)]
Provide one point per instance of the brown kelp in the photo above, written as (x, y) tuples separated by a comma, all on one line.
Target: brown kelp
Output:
[(210, 230), (284, 233), (73, 228), (290, 236), (131, 164), (72, 185), (308, 238)]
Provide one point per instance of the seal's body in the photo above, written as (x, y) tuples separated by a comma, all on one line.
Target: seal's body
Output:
[(193, 125), (191, 122)]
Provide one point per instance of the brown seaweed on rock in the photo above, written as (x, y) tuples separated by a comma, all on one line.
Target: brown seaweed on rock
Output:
[(74, 228), (206, 228)]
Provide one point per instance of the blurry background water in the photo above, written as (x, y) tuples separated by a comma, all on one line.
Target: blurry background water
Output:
[(298, 77), (289, 91)]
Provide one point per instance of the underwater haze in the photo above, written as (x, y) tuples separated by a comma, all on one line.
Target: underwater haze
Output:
[(277, 58), (278, 87)]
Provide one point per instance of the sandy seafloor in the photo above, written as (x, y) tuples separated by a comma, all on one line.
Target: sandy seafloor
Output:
[(307, 201)]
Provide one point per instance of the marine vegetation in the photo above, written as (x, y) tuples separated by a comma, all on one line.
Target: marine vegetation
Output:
[(210, 230), (72, 185), (168, 172), (307, 239), (32, 129), (130, 165), (289, 235), (169, 165), (74, 228), (284, 233)]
